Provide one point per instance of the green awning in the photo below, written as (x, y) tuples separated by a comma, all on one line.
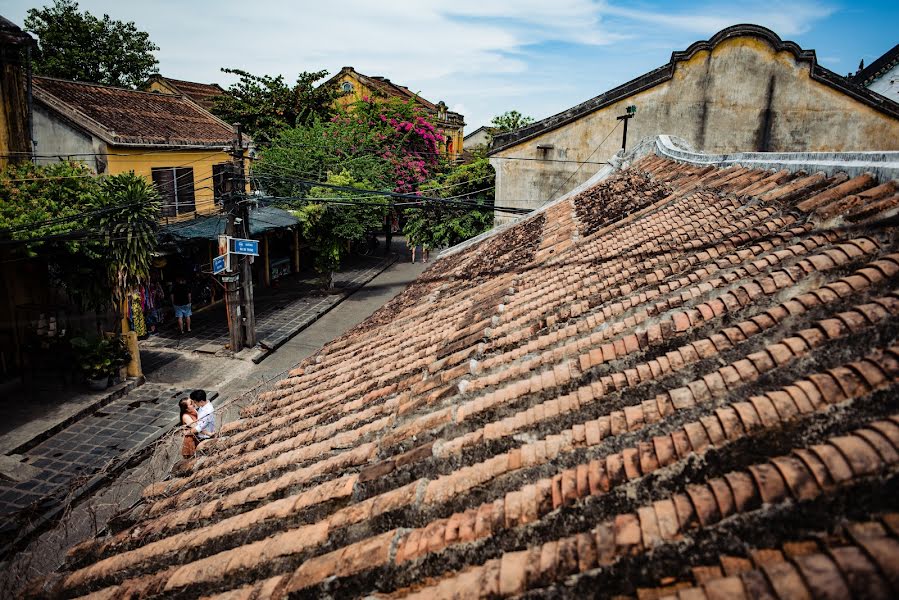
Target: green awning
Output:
[(262, 219)]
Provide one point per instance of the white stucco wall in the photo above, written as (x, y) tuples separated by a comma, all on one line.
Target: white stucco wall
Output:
[(62, 141), (887, 84)]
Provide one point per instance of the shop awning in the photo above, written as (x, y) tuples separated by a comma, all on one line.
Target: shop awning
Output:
[(262, 219)]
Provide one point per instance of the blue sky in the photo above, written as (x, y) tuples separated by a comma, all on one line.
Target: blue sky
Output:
[(482, 57)]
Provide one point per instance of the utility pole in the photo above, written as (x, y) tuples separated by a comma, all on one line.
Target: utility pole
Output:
[(629, 113), (230, 279), (246, 265)]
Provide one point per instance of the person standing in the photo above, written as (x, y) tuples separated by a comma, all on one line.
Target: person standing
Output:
[(188, 420), (205, 424), (181, 300)]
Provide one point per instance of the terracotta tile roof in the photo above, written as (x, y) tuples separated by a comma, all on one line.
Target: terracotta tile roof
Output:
[(681, 381), (203, 94), (122, 116)]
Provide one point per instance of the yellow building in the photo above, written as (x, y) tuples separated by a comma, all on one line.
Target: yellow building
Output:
[(15, 46), (354, 86), (182, 148), (167, 138)]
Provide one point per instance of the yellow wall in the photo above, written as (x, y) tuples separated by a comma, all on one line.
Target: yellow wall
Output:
[(142, 161), (162, 88), (361, 91)]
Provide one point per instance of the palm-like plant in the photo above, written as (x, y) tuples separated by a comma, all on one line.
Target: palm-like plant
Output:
[(128, 231)]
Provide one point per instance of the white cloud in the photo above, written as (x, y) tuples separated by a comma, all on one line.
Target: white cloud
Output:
[(792, 18), (482, 54)]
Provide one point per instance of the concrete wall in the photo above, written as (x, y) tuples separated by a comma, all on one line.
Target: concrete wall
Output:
[(887, 84), (739, 95), (478, 138), (57, 139)]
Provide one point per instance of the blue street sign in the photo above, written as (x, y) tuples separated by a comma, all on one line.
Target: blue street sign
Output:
[(218, 264), (250, 247)]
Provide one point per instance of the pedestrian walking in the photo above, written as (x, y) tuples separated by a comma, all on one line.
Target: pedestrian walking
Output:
[(181, 300)]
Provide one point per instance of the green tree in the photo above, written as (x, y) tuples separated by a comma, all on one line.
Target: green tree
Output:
[(331, 227), (439, 224), (266, 105), (389, 143), (96, 234), (128, 208), (77, 45), (509, 121)]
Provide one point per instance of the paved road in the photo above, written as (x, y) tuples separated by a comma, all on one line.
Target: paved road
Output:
[(280, 312)]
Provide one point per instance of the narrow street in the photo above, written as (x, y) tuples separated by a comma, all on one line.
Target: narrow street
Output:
[(151, 457)]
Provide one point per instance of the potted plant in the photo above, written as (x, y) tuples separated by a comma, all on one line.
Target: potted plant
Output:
[(100, 359)]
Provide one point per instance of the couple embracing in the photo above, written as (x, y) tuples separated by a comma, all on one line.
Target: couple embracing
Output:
[(198, 421)]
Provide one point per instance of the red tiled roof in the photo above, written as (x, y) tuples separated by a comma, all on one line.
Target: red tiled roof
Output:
[(131, 117), (203, 94), (683, 378)]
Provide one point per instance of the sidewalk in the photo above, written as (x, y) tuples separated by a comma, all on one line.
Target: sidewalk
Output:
[(281, 312), (69, 462)]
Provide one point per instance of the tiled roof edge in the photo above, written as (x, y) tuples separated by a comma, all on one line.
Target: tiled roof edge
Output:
[(73, 114), (67, 110), (884, 165), (880, 65), (615, 163), (666, 72)]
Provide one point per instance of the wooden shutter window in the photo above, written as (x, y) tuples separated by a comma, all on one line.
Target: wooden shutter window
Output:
[(185, 190), (164, 180)]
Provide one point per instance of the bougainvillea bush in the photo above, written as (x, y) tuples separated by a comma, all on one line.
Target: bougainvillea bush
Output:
[(389, 143)]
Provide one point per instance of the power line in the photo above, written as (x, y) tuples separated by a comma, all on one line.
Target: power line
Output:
[(598, 146), (413, 197)]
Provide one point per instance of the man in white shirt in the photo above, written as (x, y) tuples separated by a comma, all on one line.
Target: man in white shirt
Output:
[(205, 424)]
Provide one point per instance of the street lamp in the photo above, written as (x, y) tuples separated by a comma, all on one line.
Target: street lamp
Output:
[(629, 113)]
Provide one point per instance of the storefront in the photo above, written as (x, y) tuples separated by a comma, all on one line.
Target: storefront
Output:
[(187, 249)]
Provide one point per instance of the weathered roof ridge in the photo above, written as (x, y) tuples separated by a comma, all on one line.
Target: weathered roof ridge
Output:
[(883, 165), (880, 64), (666, 72)]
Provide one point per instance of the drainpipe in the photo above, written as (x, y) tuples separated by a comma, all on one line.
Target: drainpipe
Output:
[(30, 101)]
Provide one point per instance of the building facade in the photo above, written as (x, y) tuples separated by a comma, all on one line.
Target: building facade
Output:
[(744, 89), (354, 86), (167, 138)]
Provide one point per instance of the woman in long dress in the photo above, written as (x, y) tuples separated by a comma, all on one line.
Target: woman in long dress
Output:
[(188, 421)]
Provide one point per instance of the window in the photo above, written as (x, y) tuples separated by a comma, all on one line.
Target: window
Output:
[(176, 187), (347, 87), (221, 185)]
